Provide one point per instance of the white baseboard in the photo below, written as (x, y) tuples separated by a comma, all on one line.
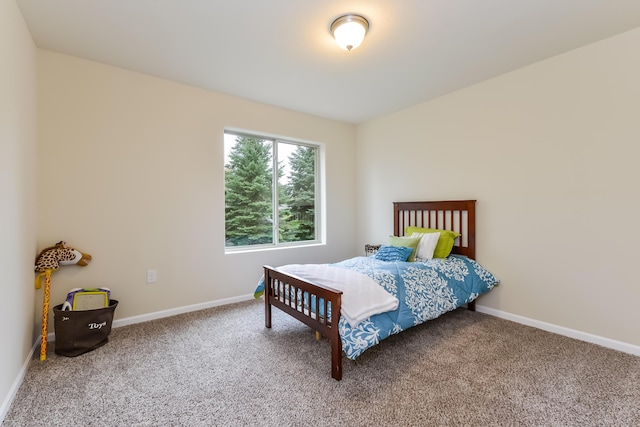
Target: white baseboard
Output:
[(6, 404), (179, 310), (560, 330)]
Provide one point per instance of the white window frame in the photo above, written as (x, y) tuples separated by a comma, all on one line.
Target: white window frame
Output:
[(318, 227)]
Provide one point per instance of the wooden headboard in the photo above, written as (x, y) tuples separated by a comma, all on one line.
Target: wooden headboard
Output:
[(455, 215)]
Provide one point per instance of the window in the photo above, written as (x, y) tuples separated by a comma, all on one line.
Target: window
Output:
[(270, 191)]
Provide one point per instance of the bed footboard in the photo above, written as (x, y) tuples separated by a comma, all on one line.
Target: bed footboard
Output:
[(309, 303)]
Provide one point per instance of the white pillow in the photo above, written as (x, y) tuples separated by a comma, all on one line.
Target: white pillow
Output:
[(426, 246)]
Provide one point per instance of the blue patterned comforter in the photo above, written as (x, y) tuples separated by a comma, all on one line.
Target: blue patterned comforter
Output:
[(425, 290)]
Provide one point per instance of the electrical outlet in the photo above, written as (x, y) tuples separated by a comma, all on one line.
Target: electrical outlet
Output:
[(152, 276)]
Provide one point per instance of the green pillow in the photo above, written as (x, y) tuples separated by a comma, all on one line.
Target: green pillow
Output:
[(445, 242), (409, 242)]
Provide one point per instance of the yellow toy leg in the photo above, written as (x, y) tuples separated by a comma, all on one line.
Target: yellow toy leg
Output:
[(38, 284), (45, 315)]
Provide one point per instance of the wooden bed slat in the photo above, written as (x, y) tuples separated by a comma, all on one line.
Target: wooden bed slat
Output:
[(277, 293)]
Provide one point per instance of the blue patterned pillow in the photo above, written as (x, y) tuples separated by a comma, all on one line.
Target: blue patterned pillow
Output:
[(393, 253)]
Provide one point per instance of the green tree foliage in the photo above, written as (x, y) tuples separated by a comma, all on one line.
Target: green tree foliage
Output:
[(297, 219), (248, 193)]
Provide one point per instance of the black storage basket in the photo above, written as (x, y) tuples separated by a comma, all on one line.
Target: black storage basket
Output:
[(80, 331)]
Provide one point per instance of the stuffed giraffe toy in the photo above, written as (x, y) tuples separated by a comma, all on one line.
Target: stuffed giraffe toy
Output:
[(49, 260)]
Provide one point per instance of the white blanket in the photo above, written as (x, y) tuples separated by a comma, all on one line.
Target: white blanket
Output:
[(362, 297)]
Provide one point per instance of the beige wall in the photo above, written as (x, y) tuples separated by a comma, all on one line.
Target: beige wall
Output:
[(132, 173), (551, 153), (18, 169)]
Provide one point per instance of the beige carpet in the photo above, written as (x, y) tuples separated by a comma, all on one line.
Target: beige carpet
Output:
[(221, 367)]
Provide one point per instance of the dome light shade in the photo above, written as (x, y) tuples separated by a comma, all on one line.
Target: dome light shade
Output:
[(349, 31)]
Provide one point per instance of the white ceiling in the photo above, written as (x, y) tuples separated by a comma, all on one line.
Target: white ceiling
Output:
[(280, 52)]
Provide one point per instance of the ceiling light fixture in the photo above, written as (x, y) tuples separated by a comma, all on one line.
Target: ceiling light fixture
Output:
[(349, 31)]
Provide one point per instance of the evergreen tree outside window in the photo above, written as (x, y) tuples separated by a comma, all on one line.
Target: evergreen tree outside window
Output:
[(270, 192)]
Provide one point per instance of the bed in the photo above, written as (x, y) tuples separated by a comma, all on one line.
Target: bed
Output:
[(454, 281)]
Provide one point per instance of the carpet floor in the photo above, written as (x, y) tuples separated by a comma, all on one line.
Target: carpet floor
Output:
[(222, 367)]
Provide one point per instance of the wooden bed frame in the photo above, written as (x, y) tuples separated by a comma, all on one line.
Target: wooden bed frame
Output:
[(288, 292)]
